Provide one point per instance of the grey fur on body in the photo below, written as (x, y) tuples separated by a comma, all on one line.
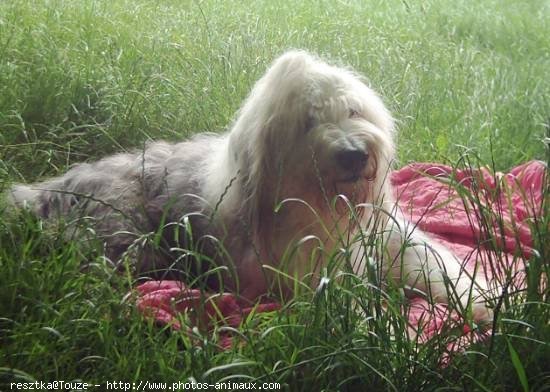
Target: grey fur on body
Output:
[(133, 194)]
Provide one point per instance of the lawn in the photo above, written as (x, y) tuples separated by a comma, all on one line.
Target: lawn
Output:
[(81, 79)]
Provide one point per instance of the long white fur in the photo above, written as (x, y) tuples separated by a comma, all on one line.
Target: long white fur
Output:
[(271, 184)]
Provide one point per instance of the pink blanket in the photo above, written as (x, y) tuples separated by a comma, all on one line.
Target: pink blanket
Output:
[(428, 194), (446, 204)]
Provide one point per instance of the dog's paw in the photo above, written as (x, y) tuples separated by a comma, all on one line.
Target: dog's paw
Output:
[(482, 316)]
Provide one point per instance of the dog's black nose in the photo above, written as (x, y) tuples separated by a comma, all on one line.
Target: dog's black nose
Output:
[(353, 160)]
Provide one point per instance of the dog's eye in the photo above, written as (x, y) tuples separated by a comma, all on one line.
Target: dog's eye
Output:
[(354, 113)]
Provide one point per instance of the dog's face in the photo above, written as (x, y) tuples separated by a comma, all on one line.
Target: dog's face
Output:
[(312, 131), (348, 150), (336, 132)]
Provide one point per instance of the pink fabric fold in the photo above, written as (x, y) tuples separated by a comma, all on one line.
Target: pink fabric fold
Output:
[(444, 203), (170, 301), (427, 194)]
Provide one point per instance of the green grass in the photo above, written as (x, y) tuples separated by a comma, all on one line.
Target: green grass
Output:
[(80, 79)]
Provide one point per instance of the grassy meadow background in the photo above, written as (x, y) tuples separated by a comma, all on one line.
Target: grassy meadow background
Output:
[(80, 79)]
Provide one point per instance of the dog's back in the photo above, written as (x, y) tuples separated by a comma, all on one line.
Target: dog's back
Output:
[(124, 196)]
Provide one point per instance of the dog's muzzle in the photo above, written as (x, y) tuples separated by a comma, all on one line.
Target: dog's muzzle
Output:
[(353, 161)]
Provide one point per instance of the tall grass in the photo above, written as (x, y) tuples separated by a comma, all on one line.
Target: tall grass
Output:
[(82, 79)]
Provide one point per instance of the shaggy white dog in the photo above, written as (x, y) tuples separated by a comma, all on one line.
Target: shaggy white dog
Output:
[(301, 177)]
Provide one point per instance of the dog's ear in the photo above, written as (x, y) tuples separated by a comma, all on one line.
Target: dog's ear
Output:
[(255, 181), (264, 132)]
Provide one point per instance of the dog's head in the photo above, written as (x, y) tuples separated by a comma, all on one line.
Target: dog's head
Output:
[(309, 128)]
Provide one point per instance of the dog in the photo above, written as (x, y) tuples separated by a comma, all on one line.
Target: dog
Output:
[(300, 177)]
